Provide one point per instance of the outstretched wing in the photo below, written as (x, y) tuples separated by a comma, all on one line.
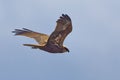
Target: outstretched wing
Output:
[(39, 37), (63, 28)]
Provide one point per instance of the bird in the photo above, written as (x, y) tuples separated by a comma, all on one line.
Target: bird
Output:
[(50, 43)]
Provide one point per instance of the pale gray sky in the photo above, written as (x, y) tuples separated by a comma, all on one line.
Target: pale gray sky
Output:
[(94, 42)]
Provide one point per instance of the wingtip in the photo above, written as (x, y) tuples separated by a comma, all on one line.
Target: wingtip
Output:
[(15, 33), (66, 16), (27, 29), (21, 31)]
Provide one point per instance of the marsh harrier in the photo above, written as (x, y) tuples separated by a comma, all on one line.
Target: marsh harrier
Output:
[(52, 43)]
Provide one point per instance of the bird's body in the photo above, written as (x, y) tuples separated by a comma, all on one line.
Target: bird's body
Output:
[(52, 43)]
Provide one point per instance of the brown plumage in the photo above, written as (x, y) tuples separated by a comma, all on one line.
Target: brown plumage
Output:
[(52, 43)]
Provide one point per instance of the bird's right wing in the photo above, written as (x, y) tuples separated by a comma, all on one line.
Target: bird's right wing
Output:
[(39, 37), (63, 28)]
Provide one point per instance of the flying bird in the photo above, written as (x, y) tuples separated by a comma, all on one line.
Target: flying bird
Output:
[(52, 43)]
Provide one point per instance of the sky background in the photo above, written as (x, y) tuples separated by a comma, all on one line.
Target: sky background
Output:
[(94, 42)]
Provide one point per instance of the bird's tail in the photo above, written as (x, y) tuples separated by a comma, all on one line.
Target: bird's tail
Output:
[(34, 46)]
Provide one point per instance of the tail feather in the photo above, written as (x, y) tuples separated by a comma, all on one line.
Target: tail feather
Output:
[(34, 46)]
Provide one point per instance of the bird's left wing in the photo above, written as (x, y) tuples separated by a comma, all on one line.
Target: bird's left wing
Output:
[(63, 28), (39, 37)]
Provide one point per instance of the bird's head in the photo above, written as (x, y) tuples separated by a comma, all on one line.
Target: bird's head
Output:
[(66, 49)]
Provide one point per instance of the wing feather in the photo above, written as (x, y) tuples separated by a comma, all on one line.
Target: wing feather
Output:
[(63, 28), (39, 37)]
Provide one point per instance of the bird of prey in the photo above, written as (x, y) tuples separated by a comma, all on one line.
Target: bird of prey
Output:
[(52, 43)]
